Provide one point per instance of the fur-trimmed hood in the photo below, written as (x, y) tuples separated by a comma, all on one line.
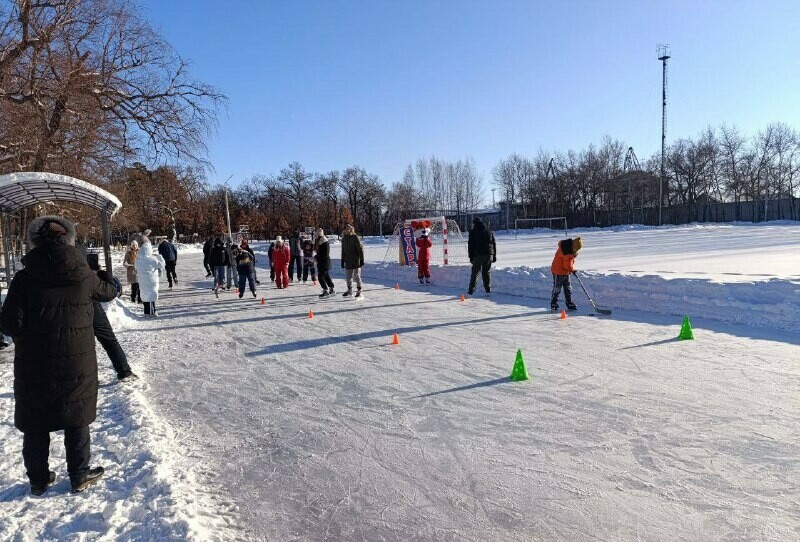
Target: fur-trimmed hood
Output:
[(51, 229)]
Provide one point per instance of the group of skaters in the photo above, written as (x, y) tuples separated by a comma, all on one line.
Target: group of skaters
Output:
[(302, 256)]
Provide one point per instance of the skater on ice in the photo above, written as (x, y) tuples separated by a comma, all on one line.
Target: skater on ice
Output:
[(482, 252), (562, 267), (307, 247), (424, 245), (207, 255), (280, 258), (130, 271), (270, 254), (245, 267), (352, 259), (218, 259), (296, 255), (323, 257), (149, 267), (246, 247), (170, 255), (230, 270), (49, 312)]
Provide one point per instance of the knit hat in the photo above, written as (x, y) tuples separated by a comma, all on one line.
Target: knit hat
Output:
[(279, 239), (54, 229), (576, 245), (134, 245)]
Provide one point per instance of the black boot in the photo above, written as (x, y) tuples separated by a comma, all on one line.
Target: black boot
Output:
[(38, 488), (87, 479), (571, 306)]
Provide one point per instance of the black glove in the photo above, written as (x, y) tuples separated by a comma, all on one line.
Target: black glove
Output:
[(494, 259), (342, 264), (105, 276)]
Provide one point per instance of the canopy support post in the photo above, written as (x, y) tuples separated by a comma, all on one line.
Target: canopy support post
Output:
[(106, 240)]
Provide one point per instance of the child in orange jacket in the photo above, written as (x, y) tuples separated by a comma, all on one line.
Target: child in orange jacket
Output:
[(563, 266), (424, 245)]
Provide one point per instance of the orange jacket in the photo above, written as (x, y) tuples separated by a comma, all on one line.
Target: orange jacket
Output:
[(563, 264), (424, 244)]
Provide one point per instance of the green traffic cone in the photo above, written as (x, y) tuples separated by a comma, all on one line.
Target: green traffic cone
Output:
[(519, 372), (686, 330)]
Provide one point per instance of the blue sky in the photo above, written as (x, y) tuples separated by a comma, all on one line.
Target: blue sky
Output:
[(380, 83)]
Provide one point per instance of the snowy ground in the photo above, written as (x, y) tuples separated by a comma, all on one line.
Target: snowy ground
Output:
[(255, 421)]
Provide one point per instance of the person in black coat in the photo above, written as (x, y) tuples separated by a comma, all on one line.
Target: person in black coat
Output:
[(482, 254), (49, 313), (206, 255), (323, 258), (170, 255), (295, 255), (219, 261)]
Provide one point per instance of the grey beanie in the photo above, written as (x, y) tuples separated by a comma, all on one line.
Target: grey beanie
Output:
[(55, 229)]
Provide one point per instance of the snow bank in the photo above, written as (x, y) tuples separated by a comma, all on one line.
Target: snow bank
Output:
[(119, 314), (771, 303), (194, 248)]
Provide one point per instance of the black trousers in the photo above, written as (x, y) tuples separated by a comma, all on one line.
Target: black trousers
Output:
[(36, 453), (295, 262), (482, 265), (561, 281), (135, 295), (170, 268), (104, 334), (149, 307), (308, 267), (207, 266), (325, 279)]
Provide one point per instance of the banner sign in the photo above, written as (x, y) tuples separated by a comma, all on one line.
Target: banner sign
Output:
[(409, 246)]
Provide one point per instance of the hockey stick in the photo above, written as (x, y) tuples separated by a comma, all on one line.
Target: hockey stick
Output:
[(596, 308)]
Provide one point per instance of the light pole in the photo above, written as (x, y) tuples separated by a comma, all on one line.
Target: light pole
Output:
[(227, 209), (663, 56), (493, 198)]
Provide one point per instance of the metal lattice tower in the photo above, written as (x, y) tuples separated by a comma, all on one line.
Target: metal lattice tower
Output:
[(631, 162), (664, 54)]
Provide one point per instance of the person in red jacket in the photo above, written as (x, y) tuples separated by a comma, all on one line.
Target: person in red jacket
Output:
[(563, 266), (280, 260), (424, 245)]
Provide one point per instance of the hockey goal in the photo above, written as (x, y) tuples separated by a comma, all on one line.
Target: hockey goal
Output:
[(449, 246), (540, 225)]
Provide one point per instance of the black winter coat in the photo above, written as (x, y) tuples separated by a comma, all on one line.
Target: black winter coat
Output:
[(207, 250), (481, 242), (49, 312), (324, 256), (218, 256), (352, 252)]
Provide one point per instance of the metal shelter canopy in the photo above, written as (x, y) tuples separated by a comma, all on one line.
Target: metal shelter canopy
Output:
[(20, 190)]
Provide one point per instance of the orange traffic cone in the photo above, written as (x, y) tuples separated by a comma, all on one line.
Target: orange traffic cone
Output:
[(263, 300), (310, 314), (397, 286), (396, 339), (462, 297), (563, 315)]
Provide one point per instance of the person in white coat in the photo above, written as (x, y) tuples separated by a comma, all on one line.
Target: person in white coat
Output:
[(148, 270)]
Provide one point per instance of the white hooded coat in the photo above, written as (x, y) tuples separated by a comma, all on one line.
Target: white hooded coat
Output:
[(148, 271)]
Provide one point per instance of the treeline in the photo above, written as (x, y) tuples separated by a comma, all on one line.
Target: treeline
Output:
[(181, 201), (719, 165)]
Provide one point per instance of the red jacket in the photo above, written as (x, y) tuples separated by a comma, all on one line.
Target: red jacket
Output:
[(424, 245), (280, 256), (563, 264)]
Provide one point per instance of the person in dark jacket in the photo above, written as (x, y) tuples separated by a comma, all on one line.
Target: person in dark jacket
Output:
[(352, 259), (270, 253), (323, 257), (170, 255), (104, 334), (295, 256), (206, 255), (244, 267), (482, 254), (307, 246), (230, 271), (218, 259), (245, 246), (49, 313)]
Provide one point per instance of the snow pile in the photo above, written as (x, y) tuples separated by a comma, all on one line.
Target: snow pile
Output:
[(189, 248), (771, 303), (119, 314)]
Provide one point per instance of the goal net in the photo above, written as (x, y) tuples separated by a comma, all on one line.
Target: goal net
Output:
[(556, 224), (449, 246)]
